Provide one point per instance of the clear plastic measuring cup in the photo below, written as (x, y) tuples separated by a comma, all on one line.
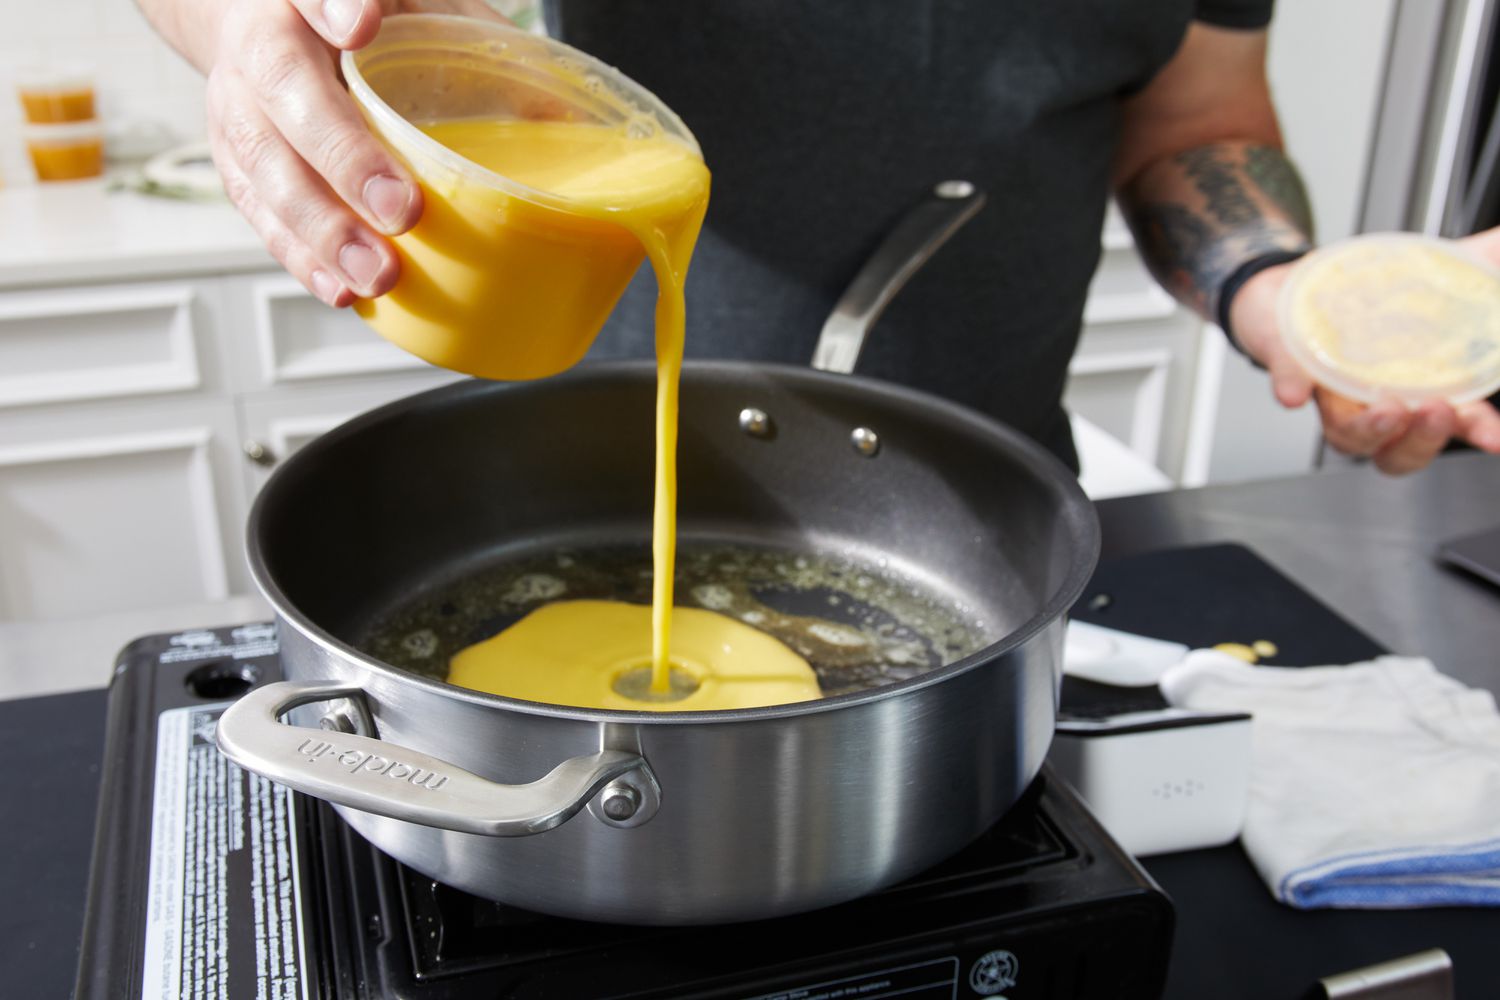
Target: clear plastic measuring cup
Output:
[(1395, 315)]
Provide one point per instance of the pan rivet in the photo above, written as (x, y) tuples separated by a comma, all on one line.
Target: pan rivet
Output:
[(865, 441), (756, 423), (338, 722), (619, 801)]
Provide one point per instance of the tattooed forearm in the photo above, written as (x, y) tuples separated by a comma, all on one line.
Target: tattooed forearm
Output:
[(1279, 181), (1221, 184), (1200, 214), (1183, 249)]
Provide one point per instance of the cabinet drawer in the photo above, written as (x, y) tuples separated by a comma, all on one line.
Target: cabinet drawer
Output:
[(298, 340), (64, 344)]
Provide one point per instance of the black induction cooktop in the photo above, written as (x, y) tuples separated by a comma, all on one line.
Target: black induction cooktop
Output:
[(208, 881)]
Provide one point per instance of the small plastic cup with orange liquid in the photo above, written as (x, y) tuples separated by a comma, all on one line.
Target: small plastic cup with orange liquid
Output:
[(62, 134), (52, 96), (67, 152)]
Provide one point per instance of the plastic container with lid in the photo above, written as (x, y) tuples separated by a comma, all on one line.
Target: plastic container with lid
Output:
[(498, 279), (66, 152), (1395, 316), (54, 94)]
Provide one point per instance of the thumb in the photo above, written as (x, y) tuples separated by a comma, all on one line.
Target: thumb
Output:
[(344, 24), (1292, 386)]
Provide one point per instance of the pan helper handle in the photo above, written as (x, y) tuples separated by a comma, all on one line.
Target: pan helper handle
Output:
[(925, 227), (388, 780)]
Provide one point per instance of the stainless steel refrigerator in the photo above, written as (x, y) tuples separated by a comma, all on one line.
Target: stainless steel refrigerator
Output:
[(1435, 166)]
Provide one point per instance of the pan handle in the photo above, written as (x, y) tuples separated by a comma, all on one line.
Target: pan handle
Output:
[(388, 780), (919, 234)]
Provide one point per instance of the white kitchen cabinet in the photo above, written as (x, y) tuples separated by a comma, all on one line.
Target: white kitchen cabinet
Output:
[(118, 482), (287, 337), (80, 342), (275, 424), (118, 507), (129, 415)]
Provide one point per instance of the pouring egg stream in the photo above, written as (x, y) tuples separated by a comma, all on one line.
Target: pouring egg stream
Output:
[(589, 653)]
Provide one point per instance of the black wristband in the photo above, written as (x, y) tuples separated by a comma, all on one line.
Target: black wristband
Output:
[(1236, 280)]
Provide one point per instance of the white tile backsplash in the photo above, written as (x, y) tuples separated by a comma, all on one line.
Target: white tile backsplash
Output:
[(138, 77)]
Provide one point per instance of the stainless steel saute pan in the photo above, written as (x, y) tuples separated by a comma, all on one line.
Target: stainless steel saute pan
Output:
[(669, 818)]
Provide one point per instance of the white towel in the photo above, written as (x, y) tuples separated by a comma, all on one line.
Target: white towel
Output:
[(1373, 785)]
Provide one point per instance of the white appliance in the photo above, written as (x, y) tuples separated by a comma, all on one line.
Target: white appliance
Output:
[(1160, 779)]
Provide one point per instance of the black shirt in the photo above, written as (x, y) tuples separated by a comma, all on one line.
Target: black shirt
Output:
[(823, 121)]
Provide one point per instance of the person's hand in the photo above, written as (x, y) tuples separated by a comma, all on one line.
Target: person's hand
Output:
[(296, 157), (1398, 440)]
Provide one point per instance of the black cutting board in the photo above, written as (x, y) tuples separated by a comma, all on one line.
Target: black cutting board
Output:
[(1202, 597), (1220, 593), (1233, 939)]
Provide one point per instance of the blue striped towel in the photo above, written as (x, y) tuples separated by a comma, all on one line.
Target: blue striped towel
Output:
[(1374, 785)]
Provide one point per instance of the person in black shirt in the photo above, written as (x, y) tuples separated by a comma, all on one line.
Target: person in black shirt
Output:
[(822, 121)]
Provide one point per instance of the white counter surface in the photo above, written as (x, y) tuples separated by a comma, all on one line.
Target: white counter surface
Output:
[(79, 232), (38, 658)]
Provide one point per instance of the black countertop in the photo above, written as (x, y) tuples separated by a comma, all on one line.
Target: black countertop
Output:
[(1361, 542), (1364, 545), (52, 747)]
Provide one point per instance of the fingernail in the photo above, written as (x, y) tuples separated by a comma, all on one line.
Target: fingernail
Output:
[(326, 286), (360, 263), (1384, 423), (387, 198), (341, 16)]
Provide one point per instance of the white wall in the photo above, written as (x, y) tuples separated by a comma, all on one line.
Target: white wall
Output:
[(1327, 66), (140, 79)]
